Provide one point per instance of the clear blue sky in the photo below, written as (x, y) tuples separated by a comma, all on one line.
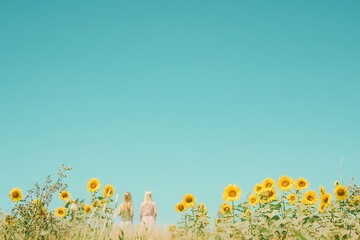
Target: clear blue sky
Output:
[(178, 96)]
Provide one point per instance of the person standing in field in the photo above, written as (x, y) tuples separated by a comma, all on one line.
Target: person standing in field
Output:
[(126, 211), (148, 211)]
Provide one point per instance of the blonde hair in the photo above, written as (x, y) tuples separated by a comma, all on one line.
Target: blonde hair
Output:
[(147, 197), (127, 200)]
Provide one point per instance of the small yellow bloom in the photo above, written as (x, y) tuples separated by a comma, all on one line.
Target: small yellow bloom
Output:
[(87, 209), (64, 195), (253, 199), (310, 198), (285, 183), (231, 192), (108, 191), (292, 198), (15, 194), (60, 212), (180, 207), (271, 194), (258, 188), (321, 208), (301, 184), (322, 190), (93, 185), (225, 208), (325, 199), (269, 183), (341, 192), (189, 200)]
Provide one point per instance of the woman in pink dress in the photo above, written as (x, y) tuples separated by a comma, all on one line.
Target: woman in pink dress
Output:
[(148, 210)]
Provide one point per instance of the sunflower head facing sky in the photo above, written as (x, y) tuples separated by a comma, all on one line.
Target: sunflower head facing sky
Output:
[(285, 183), (341, 192), (301, 184), (180, 207), (108, 191), (60, 212), (189, 200), (15, 194), (310, 198), (64, 195), (93, 185), (231, 193)]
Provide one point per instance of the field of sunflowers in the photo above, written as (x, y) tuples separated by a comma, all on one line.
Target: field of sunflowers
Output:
[(282, 209)]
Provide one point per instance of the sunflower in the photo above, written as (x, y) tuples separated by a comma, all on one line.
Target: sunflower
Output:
[(180, 207), (60, 212), (321, 208), (310, 198), (189, 200), (202, 208), (93, 185), (15, 194), (258, 188), (95, 204), (253, 200), (325, 199), (225, 208), (231, 193), (271, 194), (285, 183), (268, 183), (341, 192), (247, 213), (64, 195), (322, 190), (301, 184), (87, 209), (292, 198), (108, 191)]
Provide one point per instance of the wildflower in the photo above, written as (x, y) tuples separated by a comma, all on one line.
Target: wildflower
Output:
[(285, 183), (108, 191), (15, 194), (93, 185), (231, 193), (301, 184)]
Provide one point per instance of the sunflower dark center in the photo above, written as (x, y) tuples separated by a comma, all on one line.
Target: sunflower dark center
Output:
[(226, 209), (189, 200), (271, 193), (310, 198), (181, 207), (341, 192), (301, 183), (268, 185), (93, 185), (232, 193), (285, 183), (15, 194), (258, 188)]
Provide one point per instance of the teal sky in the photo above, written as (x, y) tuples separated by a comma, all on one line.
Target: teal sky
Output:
[(178, 96)]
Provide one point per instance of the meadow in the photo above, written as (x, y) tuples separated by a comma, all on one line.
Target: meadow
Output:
[(284, 208)]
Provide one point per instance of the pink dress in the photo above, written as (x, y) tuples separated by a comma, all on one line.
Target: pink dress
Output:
[(148, 211)]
